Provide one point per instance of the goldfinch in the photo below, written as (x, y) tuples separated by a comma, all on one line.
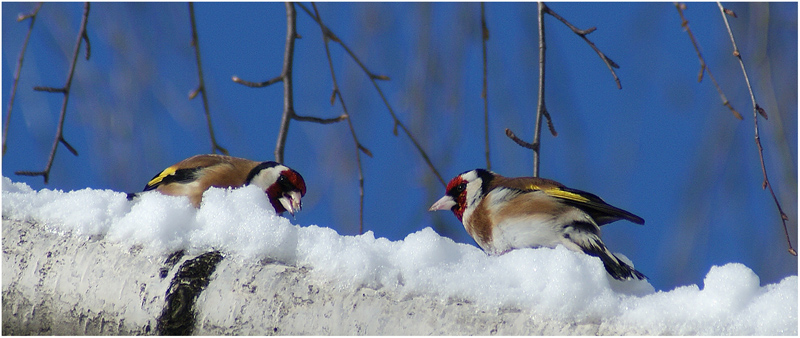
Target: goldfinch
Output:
[(503, 213), (193, 176)]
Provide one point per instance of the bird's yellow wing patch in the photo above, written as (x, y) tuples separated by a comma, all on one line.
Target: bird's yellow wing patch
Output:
[(558, 193), (156, 180)]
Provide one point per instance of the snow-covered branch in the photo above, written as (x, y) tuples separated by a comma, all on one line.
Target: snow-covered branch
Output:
[(90, 262)]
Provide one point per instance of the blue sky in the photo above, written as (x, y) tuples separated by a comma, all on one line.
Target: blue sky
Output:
[(663, 147)]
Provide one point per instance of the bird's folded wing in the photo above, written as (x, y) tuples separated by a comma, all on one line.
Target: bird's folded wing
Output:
[(601, 211)]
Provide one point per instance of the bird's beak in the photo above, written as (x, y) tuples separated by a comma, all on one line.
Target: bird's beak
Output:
[(444, 203), (291, 202)]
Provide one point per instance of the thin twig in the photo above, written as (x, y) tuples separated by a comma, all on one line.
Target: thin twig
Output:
[(373, 78), (757, 110), (703, 66), (257, 84), (286, 74), (336, 93), (201, 88), (32, 16), (484, 93), (582, 33), (320, 120), (61, 90), (59, 138), (519, 141), (88, 45), (541, 109)]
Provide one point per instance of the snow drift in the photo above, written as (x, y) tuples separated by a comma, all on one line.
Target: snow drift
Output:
[(546, 284)]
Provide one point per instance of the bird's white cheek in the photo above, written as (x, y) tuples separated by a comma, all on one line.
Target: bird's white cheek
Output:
[(266, 178), (474, 193)]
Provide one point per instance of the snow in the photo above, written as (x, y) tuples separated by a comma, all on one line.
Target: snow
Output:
[(552, 283)]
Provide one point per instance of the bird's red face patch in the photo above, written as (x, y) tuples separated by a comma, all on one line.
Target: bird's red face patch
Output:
[(457, 189), (289, 180), (296, 180)]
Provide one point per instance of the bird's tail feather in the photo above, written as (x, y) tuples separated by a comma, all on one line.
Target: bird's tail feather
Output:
[(617, 268), (586, 236)]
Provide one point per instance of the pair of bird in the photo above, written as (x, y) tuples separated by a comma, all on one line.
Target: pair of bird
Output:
[(500, 213)]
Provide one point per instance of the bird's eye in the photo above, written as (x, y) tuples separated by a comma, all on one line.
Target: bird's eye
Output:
[(283, 181), (461, 187)]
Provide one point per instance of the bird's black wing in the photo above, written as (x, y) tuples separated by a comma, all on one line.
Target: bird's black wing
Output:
[(172, 175), (599, 210)]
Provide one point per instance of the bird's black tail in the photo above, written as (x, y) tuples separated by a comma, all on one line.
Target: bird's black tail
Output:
[(588, 239), (617, 268)]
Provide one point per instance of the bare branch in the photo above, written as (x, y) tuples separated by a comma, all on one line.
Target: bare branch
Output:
[(201, 88), (59, 138), (257, 84), (288, 92), (336, 39), (88, 45), (550, 125), (45, 174), (320, 120), (62, 90), (703, 66), (358, 146), (69, 147), (373, 77), (364, 150), (32, 16), (540, 106), (286, 75), (541, 109), (484, 94), (519, 141), (756, 111), (582, 33)]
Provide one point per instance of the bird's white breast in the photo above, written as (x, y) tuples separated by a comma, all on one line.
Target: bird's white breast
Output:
[(537, 222), (531, 231)]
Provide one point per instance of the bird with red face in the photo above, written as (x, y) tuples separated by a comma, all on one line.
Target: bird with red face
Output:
[(193, 176), (504, 213)]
